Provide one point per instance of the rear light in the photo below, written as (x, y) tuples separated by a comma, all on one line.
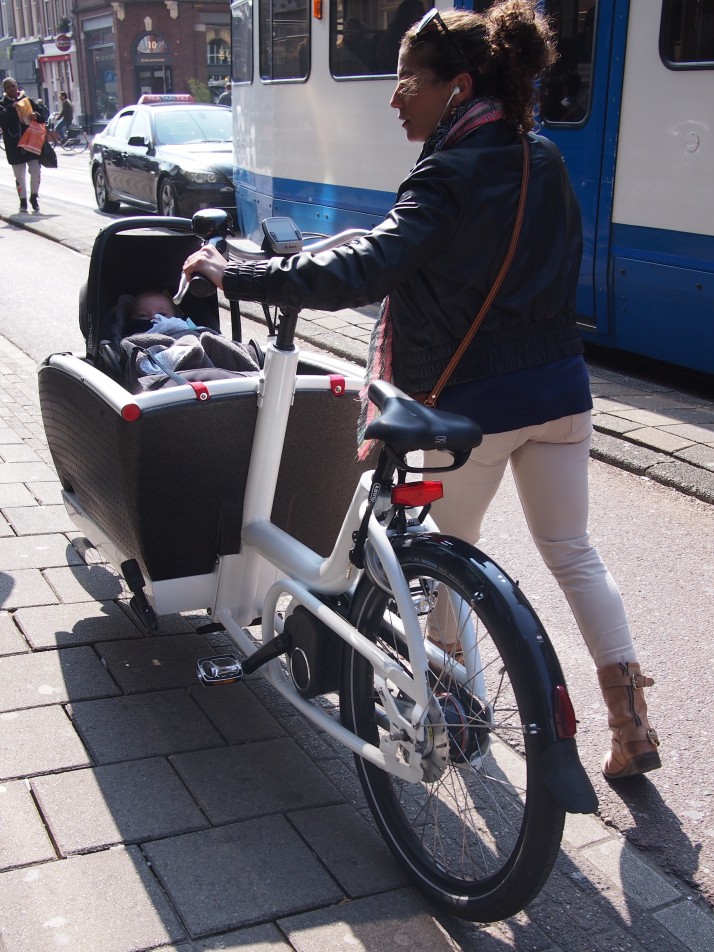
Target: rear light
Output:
[(130, 412), (417, 494), (565, 723)]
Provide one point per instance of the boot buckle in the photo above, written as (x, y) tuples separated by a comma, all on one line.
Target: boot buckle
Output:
[(639, 681), (652, 737)]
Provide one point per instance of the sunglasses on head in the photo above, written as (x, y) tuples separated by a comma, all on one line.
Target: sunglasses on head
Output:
[(432, 22)]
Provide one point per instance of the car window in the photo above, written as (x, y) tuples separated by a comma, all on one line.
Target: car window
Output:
[(180, 126), (123, 124), (141, 127)]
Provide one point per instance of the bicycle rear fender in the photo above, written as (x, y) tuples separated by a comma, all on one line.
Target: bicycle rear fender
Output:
[(529, 649)]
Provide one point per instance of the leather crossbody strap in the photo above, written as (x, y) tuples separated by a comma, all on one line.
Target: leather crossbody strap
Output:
[(458, 354)]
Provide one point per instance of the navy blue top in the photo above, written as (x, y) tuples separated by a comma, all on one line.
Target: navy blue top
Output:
[(522, 398)]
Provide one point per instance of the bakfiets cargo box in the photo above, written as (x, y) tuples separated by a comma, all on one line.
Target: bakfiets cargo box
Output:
[(155, 479)]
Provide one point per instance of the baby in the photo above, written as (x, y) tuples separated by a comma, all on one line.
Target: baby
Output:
[(151, 304)]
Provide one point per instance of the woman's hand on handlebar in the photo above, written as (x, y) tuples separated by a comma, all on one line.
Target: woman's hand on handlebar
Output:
[(207, 261)]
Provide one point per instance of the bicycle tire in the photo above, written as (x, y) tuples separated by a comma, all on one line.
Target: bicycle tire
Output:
[(78, 143), (481, 837)]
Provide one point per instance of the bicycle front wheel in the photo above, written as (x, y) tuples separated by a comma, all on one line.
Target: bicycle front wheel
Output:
[(480, 832)]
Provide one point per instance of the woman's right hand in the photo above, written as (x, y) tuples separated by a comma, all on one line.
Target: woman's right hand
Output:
[(207, 261)]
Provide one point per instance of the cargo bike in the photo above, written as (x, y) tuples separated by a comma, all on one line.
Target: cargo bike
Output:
[(244, 497)]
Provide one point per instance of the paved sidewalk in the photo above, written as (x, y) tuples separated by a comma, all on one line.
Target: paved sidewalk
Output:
[(140, 811)]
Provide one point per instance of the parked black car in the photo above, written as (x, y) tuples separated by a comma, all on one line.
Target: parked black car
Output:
[(168, 154)]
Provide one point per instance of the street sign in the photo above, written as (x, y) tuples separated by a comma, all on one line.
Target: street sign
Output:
[(63, 42)]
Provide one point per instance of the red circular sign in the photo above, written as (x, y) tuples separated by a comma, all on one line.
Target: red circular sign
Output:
[(63, 42)]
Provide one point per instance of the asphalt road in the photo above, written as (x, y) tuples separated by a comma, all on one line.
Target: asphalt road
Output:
[(658, 543)]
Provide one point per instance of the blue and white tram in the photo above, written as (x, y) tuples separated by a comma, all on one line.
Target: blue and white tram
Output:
[(630, 103)]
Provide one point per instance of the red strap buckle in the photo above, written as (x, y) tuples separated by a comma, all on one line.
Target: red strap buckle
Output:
[(337, 384), (200, 389)]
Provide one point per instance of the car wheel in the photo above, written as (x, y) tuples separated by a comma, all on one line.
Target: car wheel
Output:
[(101, 193), (168, 199)]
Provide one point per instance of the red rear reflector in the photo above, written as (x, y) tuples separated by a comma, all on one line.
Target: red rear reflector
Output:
[(565, 723), (130, 412), (417, 494)]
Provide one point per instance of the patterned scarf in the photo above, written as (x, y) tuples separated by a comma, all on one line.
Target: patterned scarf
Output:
[(463, 120)]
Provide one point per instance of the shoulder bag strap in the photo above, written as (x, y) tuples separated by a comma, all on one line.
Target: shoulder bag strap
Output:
[(459, 353)]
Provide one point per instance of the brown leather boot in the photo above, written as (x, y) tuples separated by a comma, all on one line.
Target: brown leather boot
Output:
[(634, 742)]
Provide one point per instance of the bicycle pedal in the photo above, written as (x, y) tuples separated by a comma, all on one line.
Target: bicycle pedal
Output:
[(223, 669)]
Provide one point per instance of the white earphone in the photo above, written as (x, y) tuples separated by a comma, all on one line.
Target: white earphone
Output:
[(455, 91)]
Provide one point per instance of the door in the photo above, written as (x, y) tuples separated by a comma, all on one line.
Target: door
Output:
[(580, 112)]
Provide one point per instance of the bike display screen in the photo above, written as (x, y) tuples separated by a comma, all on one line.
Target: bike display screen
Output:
[(283, 235)]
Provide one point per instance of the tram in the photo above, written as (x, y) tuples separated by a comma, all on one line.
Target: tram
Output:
[(630, 103)]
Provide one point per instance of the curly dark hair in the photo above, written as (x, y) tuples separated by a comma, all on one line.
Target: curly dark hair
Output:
[(505, 50)]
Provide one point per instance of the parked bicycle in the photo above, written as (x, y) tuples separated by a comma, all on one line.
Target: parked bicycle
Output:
[(70, 138), (235, 495)]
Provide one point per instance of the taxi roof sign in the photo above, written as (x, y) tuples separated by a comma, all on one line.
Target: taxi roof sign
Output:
[(165, 97)]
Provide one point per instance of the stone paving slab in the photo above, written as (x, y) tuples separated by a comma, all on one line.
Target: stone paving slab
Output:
[(16, 494), (350, 848), (64, 626), (154, 664), (38, 740), (265, 938), (238, 783), (384, 923), (20, 588), (37, 552), (41, 678), (143, 725), (104, 902), (250, 872), (85, 583), (121, 803), (236, 713), (34, 520), (11, 640), (23, 837)]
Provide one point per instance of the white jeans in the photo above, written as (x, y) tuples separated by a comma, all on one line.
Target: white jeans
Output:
[(550, 468), (20, 178)]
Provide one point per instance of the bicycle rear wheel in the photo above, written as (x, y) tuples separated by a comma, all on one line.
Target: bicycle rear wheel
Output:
[(480, 833), (78, 143)]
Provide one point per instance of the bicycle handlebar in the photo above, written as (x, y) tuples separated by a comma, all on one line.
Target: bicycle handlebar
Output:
[(247, 250)]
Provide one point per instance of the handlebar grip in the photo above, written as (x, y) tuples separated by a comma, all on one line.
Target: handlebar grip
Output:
[(200, 287)]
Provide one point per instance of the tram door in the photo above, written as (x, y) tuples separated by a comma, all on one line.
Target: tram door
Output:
[(580, 106)]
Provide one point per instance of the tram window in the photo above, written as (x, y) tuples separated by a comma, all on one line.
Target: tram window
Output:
[(566, 89), (285, 40), (365, 35), (686, 37), (242, 41)]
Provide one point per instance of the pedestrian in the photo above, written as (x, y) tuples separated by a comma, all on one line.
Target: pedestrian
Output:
[(225, 98), (12, 130), (466, 88), (66, 116)]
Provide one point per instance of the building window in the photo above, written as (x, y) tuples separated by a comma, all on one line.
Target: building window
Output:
[(285, 40), (686, 38), (219, 53)]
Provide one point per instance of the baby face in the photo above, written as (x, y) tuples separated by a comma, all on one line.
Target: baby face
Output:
[(151, 303)]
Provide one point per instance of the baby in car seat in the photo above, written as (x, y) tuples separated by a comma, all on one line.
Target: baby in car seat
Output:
[(155, 341)]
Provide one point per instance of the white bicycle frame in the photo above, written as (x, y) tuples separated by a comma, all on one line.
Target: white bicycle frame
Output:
[(264, 545)]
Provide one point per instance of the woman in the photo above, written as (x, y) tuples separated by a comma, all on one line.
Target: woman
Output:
[(12, 130), (466, 90)]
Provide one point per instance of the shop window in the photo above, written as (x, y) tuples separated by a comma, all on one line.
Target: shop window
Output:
[(219, 53)]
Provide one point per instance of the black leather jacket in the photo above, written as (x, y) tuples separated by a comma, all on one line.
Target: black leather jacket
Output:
[(437, 254)]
